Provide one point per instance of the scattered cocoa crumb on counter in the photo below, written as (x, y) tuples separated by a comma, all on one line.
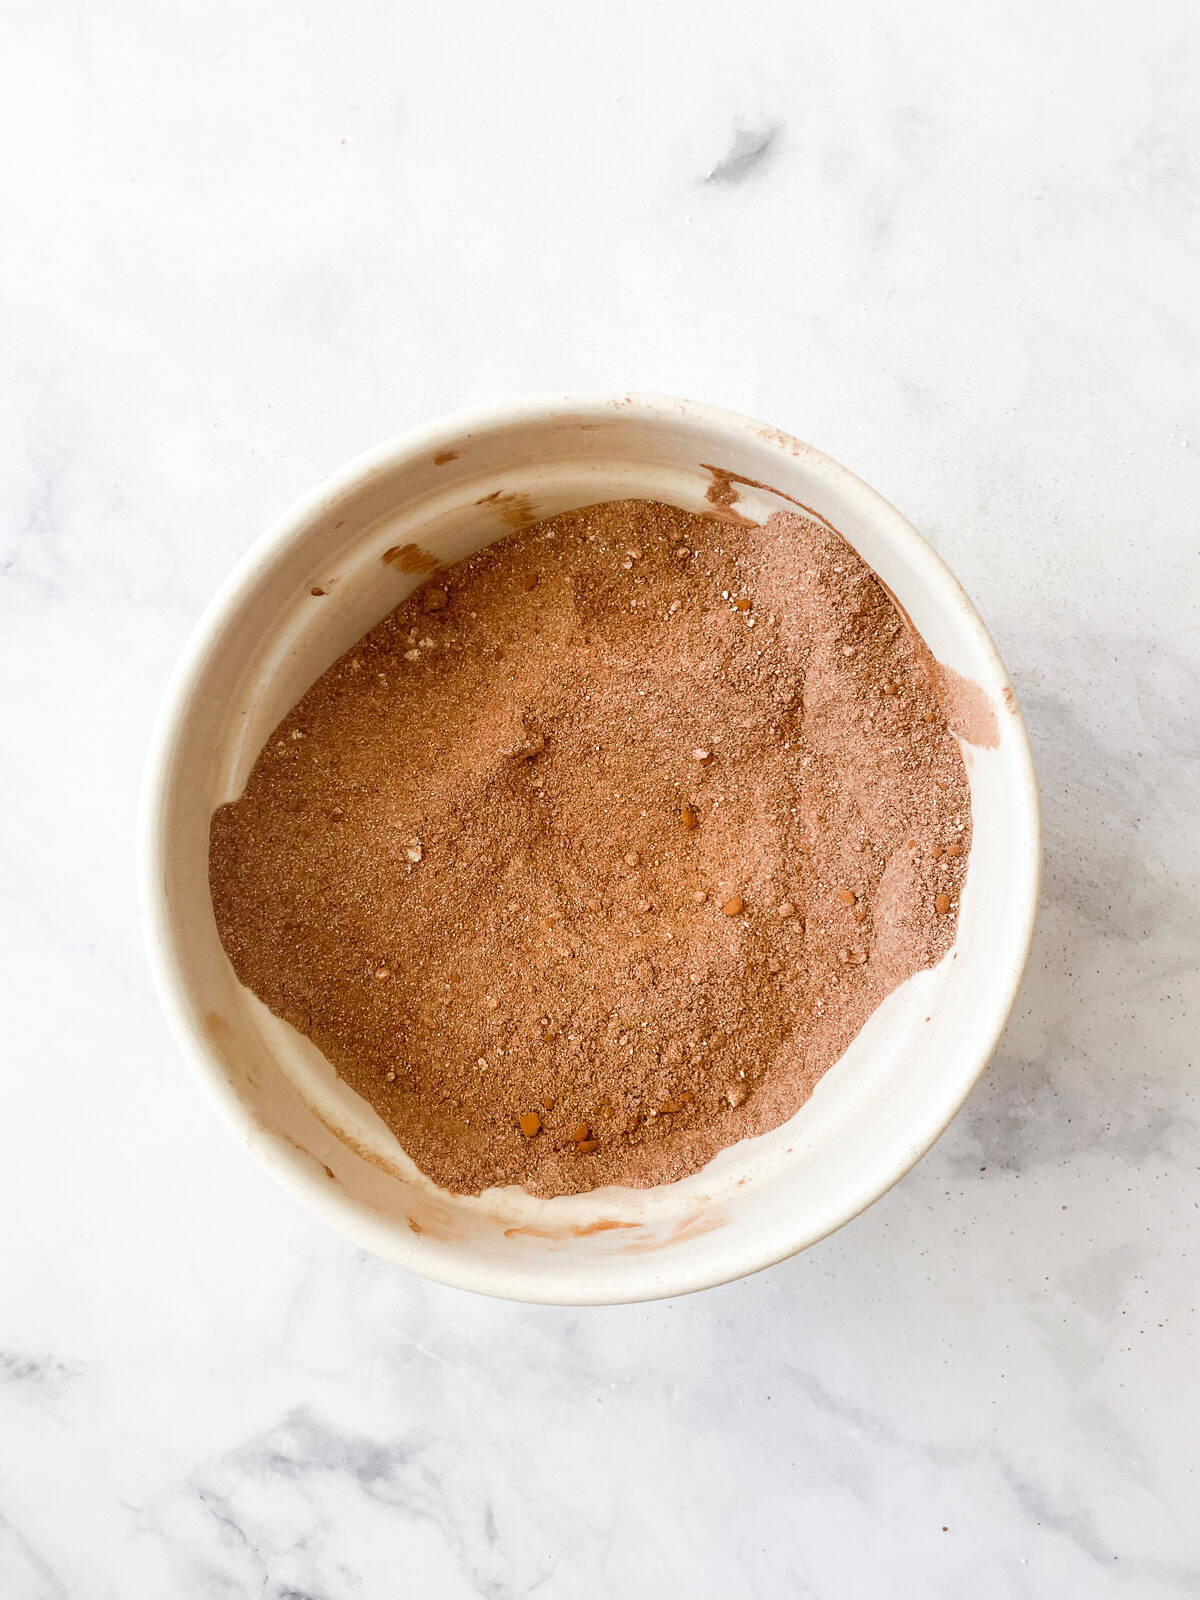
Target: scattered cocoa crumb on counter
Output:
[(591, 859)]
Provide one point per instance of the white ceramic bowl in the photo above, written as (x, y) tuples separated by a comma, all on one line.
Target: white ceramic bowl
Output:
[(443, 491)]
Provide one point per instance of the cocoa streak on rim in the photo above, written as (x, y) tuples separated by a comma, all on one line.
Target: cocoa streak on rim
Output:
[(721, 477)]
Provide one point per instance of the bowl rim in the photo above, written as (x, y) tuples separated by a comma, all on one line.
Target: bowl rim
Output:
[(168, 972)]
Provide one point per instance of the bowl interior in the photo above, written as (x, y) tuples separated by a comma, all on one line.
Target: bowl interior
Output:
[(366, 538)]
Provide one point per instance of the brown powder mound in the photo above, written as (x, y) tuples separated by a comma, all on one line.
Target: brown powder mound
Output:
[(597, 852)]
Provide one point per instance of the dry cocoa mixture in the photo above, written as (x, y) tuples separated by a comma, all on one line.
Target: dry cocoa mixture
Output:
[(596, 853)]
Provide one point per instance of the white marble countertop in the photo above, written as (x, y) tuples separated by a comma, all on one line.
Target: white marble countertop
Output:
[(955, 247)]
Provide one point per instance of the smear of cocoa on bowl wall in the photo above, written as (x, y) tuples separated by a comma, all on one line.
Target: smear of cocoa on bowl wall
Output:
[(594, 855), (516, 508), (410, 558)]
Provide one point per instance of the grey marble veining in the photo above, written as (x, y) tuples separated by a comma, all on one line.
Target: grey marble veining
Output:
[(955, 247)]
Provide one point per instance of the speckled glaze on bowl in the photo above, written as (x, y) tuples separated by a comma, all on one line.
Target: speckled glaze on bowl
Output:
[(313, 584)]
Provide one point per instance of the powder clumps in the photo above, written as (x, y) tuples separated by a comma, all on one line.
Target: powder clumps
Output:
[(595, 854)]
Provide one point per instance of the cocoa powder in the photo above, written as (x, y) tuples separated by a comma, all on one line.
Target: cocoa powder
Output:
[(596, 853)]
